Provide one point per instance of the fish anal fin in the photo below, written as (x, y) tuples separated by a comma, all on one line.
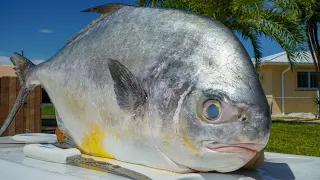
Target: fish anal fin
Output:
[(131, 96), (64, 139), (106, 8)]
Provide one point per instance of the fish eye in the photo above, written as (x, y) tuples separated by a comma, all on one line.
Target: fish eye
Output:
[(211, 110)]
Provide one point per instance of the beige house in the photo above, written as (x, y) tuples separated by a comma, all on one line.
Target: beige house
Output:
[(289, 90), (7, 70)]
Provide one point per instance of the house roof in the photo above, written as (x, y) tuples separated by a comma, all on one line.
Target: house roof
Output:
[(281, 58)]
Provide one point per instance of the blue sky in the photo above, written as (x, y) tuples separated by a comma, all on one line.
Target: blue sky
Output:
[(40, 28)]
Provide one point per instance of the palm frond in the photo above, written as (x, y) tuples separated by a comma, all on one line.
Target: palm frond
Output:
[(253, 36)]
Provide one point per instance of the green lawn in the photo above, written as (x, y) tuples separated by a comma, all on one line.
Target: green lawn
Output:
[(295, 138), (48, 109)]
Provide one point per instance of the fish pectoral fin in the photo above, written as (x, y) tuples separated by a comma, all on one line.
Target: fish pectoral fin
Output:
[(106, 8), (131, 96)]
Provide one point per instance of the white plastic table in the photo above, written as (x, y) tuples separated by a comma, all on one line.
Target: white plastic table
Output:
[(15, 166)]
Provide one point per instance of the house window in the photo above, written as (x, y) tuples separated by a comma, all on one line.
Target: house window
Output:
[(307, 80)]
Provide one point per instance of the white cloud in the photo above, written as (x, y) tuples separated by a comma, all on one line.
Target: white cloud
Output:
[(46, 31), (6, 60)]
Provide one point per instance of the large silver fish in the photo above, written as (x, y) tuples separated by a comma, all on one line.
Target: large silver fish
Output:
[(158, 87)]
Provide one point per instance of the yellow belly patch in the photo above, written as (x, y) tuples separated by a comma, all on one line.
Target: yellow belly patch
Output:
[(93, 142)]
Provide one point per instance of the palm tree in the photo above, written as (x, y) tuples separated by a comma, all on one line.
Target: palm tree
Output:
[(250, 19), (309, 11), (310, 14)]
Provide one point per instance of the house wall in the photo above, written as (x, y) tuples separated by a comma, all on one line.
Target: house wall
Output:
[(7, 70), (296, 100)]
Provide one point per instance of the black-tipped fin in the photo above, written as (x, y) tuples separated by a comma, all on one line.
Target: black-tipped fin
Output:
[(106, 8), (131, 97)]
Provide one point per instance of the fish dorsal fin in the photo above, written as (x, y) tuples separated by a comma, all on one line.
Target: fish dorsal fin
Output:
[(106, 8), (130, 95)]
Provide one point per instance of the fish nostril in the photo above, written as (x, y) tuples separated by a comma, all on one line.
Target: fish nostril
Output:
[(242, 117)]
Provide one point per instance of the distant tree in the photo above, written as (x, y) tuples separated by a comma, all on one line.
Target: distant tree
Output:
[(250, 19)]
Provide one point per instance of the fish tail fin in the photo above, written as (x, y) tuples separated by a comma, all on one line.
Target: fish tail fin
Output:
[(23, 68)]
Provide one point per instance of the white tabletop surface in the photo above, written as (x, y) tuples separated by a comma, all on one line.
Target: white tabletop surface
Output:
[(15, 166)]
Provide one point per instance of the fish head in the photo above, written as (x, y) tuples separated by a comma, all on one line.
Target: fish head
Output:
[(209, 112)]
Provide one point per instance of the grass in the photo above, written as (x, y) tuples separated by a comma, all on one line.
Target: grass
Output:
[(48, 109), (295, 138)]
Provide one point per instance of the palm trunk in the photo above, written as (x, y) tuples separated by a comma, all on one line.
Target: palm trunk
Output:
[(317, 96), (311, 49), (310, 35), (314, 42), (153, 3), (317, 48)]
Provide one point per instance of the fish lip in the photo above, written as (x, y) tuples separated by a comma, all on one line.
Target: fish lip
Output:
[(214, 146)]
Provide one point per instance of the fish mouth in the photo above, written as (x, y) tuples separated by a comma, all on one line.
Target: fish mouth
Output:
[(233, 148)]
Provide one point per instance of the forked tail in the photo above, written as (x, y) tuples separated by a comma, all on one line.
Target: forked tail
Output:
[(23, 67)]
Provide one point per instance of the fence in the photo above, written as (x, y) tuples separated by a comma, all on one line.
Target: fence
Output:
[(29, 116), (293, 105)]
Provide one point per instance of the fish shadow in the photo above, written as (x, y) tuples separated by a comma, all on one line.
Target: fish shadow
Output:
[(268, 170)]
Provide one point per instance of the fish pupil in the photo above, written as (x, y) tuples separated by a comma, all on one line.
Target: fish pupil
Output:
[(212, 111)]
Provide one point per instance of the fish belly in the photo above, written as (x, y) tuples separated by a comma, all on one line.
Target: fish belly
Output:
[(99, 128)]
